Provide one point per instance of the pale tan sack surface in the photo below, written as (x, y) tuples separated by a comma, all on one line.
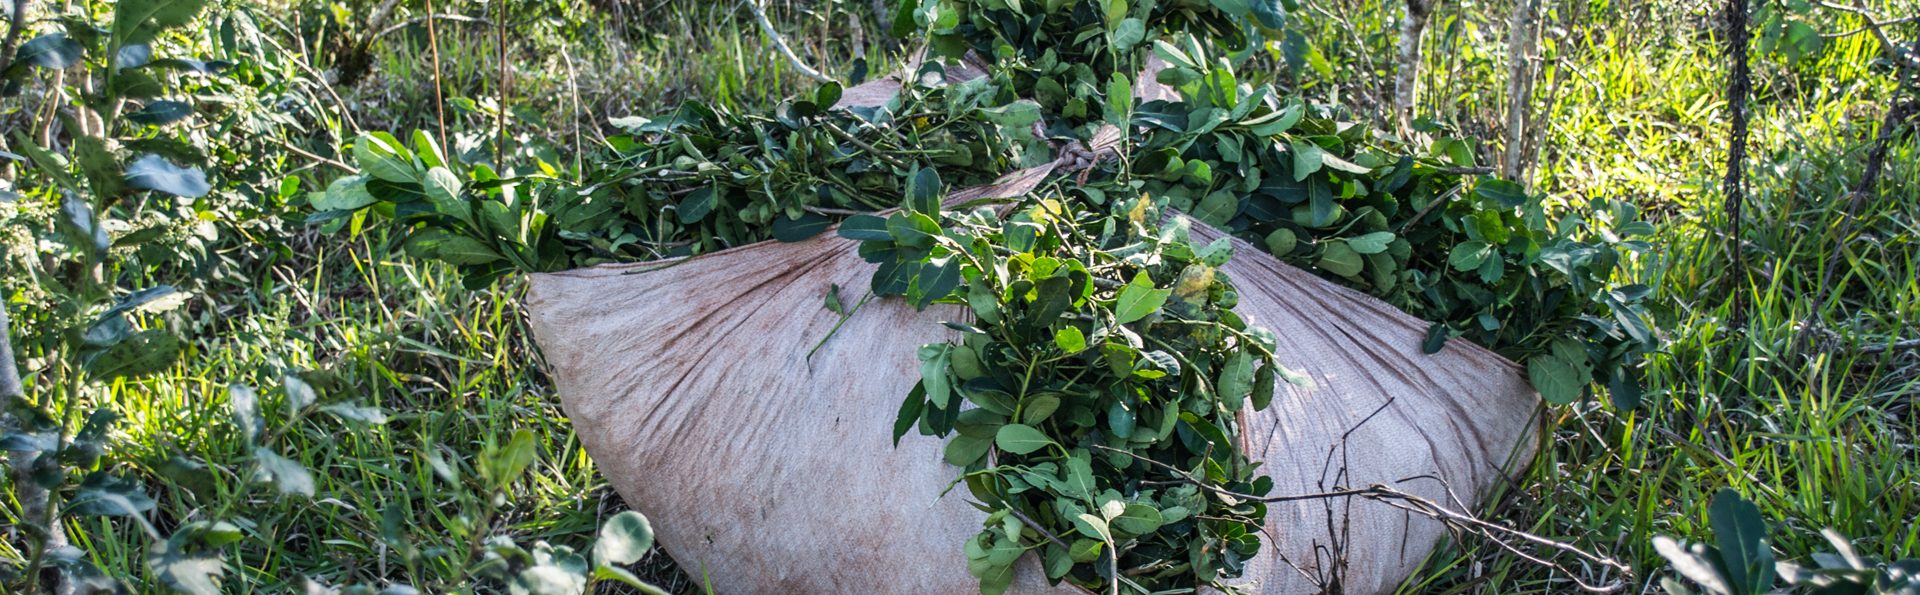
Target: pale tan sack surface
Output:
[(690, 387)]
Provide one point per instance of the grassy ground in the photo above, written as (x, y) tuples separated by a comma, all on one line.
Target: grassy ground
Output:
[(1797, 409)]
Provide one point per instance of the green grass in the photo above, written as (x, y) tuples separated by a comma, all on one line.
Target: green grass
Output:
[(1795, 409)]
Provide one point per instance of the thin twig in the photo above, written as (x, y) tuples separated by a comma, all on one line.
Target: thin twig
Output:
[(1036, 527), (829, 211), (429, 19), (780, 43), (889, 159), (439, 102), (1901, 55), (316, 158)]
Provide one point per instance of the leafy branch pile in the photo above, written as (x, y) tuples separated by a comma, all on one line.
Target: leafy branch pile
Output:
[(1102, 340), (686, 183), (1103, 357)]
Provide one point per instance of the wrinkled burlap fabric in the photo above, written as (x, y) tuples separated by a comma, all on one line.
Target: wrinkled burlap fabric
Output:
[(771, 472)]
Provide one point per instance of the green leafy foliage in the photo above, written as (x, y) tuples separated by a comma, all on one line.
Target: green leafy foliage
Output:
[(689, 182), (1088, 382)]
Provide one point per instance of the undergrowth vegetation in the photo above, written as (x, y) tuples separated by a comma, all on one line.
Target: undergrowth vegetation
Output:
[(229, 390)]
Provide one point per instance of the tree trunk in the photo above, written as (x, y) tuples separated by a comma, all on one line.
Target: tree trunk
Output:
[(1407, 71)]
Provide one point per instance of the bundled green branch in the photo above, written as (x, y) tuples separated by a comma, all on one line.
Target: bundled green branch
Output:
[(1477, 255), (1103, 353), (689, 182)]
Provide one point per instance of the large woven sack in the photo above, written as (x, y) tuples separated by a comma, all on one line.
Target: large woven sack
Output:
[(689, 383)]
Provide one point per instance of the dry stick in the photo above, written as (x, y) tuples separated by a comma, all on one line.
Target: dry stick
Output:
[(573, 85), (439, 102), (500, 36), (1419, 505), (780, 43), (1739, 85)]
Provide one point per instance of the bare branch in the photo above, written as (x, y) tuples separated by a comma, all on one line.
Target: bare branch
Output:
[(426, 18), (780, 43)]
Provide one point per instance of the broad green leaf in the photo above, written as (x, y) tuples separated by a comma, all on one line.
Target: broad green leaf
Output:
[(910, 410), (1281, 242), (1271, 14), (1138, 299), (345, 193), (1307, 159), (194, 573), (1741, 534), (1092, 526), (933, 373), (1021, 439), (381, 156), (1340, 259), (1467, 256), (1038, 409), (1138, 519), (1371, 243), (1121, 420), (1556, 379), (1219, 207), (1505, 193), (300, 395), (103, 494), (505, 464), (143, 353), (913, 229), (697, 205), (354, 412), (965, 450), (624, 539), (289, 477), (1236, 379), (1076, 477), (1070, 340), (924, 191), (443, 190), (864, 228), (152, 172), (1085, 550), (793, 230), (53, 50), (160, 113), (246, 410)]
